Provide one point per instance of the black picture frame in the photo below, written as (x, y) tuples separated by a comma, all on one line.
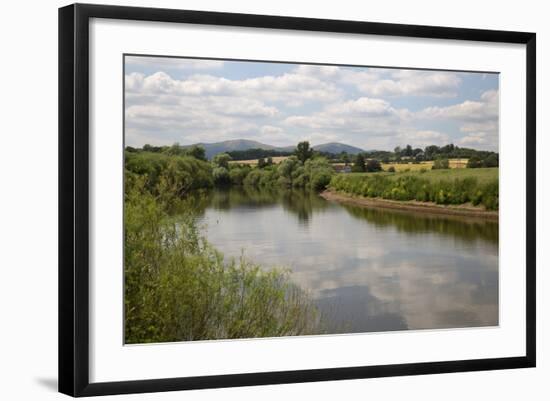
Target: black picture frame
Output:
[(74, 198)]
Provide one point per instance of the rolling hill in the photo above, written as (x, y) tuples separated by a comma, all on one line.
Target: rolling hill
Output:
[(336, 147), (214, 148)]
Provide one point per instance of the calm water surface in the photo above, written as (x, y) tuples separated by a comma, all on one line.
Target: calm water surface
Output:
[(366, 269)]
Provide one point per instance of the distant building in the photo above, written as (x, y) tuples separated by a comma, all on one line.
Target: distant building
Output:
[(339, 168)]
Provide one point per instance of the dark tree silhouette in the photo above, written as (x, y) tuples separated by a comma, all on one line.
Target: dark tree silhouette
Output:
[(303, 151)]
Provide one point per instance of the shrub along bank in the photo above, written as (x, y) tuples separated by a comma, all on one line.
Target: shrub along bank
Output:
[(477, 188), (178, 287)]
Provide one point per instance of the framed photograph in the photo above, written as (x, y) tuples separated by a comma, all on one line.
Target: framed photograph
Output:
[(251, 199)]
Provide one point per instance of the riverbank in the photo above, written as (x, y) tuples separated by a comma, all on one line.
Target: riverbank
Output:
[(466, 210)]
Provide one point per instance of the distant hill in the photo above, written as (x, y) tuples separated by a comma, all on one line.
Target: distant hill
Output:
[(213, 149), (336, 148)]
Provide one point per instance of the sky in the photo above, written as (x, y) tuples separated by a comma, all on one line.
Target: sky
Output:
[(169, 100)]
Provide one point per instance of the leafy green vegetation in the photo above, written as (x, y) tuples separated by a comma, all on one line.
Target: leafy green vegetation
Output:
[(180, 173), (409, 154), (476, 162), (178, 287), (315, 174), (256, 153), (440, 164), (447, 187)]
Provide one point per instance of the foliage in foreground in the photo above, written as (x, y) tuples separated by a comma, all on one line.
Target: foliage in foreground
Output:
[(178, 287), (408, 186)]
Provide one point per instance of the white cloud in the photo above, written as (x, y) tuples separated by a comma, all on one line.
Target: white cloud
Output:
[(423, 137), (478, 119), (467, 111), (362, 115), (405, 83), (310, 102), (326, 71), (167, 63), (271, 130), (295, 87), (474, 138), (363, 106), (388, 82), (206, 106)]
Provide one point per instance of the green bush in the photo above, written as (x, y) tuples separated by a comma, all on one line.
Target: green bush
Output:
[(182, 173), (178, 287), (474, 162), (440, 164), (238, 174), (373, 166)]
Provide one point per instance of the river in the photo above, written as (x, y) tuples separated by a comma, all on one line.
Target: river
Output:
[(366, 269)]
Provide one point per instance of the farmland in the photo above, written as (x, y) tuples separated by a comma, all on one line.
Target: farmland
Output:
[(453, 163), (253, 162)]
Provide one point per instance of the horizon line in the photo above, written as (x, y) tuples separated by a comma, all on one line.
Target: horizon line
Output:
[(313, 146)]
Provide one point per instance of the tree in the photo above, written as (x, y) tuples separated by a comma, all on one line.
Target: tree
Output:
[(303, 151), (220, 175), (285, 170), (491, 160), (448, 149), (474, 162), (287, 166), (221, 160), (269, 161), (359, 165), (344, 157), (397, 151), (373, 166), (408, 151), (261, 162), (220, 172), (197, 152), (175, 150), (430, 152)]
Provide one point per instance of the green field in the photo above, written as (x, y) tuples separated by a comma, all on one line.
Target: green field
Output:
[(447, 187), (483, 175)]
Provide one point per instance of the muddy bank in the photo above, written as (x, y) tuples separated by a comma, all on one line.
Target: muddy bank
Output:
[(466, 210)]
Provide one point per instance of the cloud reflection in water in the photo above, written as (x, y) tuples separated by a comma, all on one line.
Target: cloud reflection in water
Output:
[(367, 269)]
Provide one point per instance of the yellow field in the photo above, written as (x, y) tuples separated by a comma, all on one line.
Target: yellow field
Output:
[(453, 163), (276, 160)]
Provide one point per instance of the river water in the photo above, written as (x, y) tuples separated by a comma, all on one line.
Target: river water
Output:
[(366, 269)]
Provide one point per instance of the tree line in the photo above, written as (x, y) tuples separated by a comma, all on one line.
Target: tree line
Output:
[(409, 154), (186, 169)]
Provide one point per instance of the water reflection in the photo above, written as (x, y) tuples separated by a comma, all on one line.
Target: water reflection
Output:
[(367, 269)]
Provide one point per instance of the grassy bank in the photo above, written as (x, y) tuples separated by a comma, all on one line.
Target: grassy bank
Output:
[(473, 187)]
